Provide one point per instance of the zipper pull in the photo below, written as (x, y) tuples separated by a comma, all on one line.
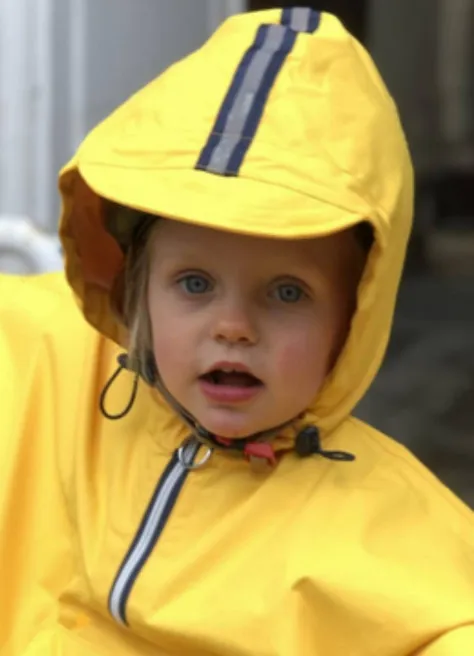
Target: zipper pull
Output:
[(187, 453)]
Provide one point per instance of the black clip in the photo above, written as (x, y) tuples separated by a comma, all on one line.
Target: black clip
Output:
[(308, 443)]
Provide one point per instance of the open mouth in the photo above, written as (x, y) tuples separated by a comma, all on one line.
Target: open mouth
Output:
[(231, 378)]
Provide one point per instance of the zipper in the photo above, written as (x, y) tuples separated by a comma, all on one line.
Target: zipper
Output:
[(152, 524)]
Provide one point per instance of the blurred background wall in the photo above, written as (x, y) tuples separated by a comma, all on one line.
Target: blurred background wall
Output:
[(65, 64)]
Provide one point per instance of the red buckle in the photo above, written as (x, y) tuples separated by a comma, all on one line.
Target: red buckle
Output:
[(262, 450)]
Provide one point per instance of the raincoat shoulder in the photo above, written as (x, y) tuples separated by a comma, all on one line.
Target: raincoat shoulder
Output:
[(43, 343), (398, 543)]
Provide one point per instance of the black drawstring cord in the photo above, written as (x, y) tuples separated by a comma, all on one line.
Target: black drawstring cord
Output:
[(122, 366), (308, 443)]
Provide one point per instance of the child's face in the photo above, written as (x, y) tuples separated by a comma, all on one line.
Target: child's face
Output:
[(277, 311)]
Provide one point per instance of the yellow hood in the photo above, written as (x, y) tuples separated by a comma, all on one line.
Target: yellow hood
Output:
[(272, 128)]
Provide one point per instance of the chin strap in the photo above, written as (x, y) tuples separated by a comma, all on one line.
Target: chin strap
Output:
[(254, 447)]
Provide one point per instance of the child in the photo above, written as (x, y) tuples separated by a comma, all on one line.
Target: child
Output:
[(234, 234)]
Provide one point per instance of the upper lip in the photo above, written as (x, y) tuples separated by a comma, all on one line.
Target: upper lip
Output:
[(226, 365)]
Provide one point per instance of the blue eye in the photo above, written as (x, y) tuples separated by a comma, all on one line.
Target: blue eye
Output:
[(195, 284), (289, 293)]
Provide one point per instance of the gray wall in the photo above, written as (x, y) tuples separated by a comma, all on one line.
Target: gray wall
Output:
[(121, 46), (64, 65)]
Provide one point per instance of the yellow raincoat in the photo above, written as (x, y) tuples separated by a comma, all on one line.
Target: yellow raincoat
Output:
[(110, 544)]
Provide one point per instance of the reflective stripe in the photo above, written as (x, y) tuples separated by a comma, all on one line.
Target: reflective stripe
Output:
[(241, 111), (150, 529), (301, 19), (243, 106)]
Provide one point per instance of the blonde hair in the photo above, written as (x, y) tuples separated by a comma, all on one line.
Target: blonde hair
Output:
[(130, 293)]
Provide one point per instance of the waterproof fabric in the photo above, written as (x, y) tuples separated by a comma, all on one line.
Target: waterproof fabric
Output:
[(108, 544)]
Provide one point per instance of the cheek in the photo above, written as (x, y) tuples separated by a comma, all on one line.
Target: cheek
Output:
[(171, 342), (304, 355), (170, 336)]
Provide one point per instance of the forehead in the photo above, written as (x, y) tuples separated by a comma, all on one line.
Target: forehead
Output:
[(174, 239)]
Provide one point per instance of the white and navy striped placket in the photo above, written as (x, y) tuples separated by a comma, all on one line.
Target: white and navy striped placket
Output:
[(223, 154)]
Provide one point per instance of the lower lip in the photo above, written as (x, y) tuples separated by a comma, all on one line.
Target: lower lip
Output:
[(228, 393)]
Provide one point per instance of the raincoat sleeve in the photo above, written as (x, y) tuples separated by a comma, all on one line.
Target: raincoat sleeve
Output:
[(454, 643), (37, 319)]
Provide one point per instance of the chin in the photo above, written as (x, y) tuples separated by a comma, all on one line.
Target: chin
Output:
[(229, 432), (232, 427)]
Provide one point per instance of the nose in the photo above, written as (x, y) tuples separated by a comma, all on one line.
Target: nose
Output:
[(234, 325)]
